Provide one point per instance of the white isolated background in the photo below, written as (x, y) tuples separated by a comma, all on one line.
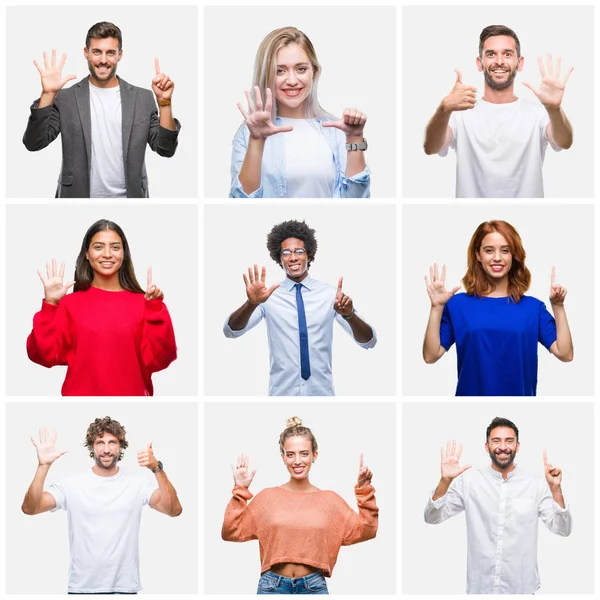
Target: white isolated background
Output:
[(431, 52), (356, 46), (352, 241), (38, 546), (169, 33), (559, 235), (342, 431), (163, 237), (565, 430)]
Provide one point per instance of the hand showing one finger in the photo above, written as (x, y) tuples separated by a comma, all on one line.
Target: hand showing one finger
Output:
[(553, 474), (461, 96), (436, 286), (153, 292), (342, 304), (258, 118), (162, 85), (364, 474), (352, 123), (558, 292), (54, 287)]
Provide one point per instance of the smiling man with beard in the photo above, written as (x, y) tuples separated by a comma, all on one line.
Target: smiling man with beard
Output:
[(501, 505), (104, 507), (104, 121), (500, 139), (299, 312)]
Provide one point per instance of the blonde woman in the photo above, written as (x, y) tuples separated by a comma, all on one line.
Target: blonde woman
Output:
[(289, 146), (300, 528)]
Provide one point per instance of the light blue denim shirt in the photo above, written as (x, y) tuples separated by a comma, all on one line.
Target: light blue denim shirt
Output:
[(281, 315), (273, 180)]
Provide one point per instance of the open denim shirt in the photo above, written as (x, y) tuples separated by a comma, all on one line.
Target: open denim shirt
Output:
[(273, 179)]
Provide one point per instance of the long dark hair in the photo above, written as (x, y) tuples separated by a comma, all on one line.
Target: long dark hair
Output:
[(84, 274)]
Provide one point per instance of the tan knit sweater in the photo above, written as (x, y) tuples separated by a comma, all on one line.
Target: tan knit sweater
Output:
[(304, 528)]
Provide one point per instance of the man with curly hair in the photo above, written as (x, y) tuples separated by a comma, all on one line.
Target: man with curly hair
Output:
[(299, 313), (104, 508)]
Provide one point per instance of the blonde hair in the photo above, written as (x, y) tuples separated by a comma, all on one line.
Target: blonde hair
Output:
[(265, 67), (293, 428)]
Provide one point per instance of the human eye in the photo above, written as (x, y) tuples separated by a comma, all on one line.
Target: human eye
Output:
[(302, 69), (279, 71), (300, 251), (506, 250), (286, 253)]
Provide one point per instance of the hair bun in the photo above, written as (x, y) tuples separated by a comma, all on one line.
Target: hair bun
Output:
[(293, 422)]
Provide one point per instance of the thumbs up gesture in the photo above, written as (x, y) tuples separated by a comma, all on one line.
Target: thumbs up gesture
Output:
[(146, 458), (461, 96)]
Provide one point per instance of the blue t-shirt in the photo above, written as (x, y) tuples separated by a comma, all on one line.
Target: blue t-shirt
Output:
[(496, 343)]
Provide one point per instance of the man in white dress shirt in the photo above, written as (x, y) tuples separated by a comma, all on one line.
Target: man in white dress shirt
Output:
[(299, 313), (500, 139), (502, 505)]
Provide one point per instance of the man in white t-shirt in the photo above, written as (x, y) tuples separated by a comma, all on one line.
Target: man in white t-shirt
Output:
[(103, 507), (105, 122), (500, 140)]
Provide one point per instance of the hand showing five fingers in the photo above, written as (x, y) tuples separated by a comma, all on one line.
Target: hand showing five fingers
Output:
[(258, 118), (152, 291), (364, 474), (54, 288), (242, 475), (162, 85), (256, 288), (46, 451), (553, 474), (436, 287), (352, 122), (51, 76), (557, 292), (552, 88), (450, 466), (342, 304)]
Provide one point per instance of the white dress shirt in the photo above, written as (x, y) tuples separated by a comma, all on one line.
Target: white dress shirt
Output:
[(281, 315), (502, 527)]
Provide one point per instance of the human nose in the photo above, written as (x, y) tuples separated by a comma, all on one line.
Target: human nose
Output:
[(291, 78)]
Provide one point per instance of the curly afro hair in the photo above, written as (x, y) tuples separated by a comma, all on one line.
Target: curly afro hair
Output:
[(106, 425), (291, 229)]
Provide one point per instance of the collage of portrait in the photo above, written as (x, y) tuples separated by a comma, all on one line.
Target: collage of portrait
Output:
[(299, 278)]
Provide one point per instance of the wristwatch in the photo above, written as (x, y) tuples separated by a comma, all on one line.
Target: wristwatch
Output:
[(361, 146), (349, 317), (159, 468), (164, 102)]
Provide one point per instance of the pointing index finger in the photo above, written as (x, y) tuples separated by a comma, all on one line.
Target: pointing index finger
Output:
[(545, 457), (156, 66), (339, 285), (553, 276), (361, 460), (149, 277)]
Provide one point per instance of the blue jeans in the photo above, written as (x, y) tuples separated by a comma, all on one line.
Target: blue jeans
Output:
[(271, 583)]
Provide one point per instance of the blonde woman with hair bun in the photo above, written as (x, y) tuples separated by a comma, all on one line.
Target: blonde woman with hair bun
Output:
[(288, 145), (300, 528)]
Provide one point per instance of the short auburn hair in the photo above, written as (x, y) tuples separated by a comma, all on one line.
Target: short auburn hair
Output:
[(476, 282)]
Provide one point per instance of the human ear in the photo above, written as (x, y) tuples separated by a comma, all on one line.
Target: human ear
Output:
[(520, 63), (479, 64)]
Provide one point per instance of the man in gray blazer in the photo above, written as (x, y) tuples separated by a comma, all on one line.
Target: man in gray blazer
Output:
[(105, 122)]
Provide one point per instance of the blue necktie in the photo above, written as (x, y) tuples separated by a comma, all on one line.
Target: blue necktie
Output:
[(304, 357)]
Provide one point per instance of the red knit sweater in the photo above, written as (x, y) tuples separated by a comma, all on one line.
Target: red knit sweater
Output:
[(296, 527), (111, 342)]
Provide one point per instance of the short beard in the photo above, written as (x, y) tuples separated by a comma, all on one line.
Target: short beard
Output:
[(109, 76), (495, 85), (102, 465), (501, 465)]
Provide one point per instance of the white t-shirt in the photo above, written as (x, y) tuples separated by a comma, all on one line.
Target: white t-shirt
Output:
[(107, 171), (500, 149), (309, 162), (104, 524)]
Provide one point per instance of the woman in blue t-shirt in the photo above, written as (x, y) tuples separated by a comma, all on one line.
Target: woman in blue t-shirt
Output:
[(289, 146), (495, 326)]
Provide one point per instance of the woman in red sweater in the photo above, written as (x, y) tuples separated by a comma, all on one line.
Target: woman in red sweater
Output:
[(300, 528), (109, 332)]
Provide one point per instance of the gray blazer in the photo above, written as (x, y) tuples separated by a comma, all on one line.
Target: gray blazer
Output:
[(70, 116)]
